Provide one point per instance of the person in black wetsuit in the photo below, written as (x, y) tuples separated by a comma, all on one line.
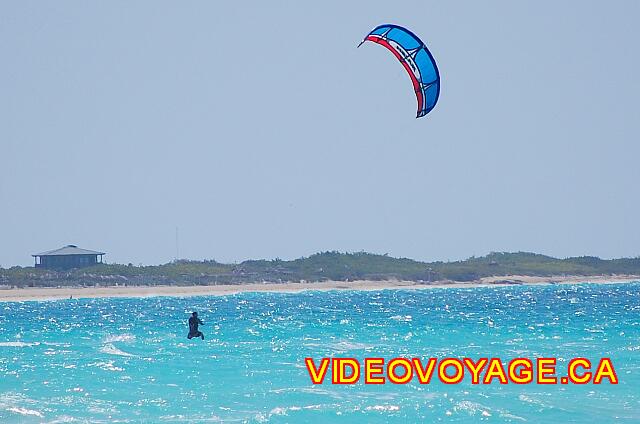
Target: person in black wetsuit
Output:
[(194, 321)]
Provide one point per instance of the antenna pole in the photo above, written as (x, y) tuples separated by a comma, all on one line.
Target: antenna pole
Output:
[(177, 246)]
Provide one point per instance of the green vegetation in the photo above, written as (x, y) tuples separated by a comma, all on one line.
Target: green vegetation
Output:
[(320, 267), (532, 264)]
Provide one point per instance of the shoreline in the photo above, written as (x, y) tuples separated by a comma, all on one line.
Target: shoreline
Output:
[(59, 293)]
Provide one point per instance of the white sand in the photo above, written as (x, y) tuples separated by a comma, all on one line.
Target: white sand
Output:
[(23, 294)]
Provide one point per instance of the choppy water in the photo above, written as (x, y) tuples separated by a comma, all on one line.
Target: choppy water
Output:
[(128, 360)]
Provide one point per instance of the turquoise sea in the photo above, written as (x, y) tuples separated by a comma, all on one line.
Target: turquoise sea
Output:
[(128, 360)]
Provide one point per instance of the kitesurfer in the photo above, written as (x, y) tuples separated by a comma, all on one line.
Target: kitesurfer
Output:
[(194, 321)]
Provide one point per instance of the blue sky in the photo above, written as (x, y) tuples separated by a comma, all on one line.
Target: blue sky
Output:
[(260, 131)]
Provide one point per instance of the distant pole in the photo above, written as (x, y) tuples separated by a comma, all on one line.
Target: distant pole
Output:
[(177, 246)]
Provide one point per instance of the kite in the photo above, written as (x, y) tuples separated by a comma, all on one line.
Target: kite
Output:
[(416, 59)]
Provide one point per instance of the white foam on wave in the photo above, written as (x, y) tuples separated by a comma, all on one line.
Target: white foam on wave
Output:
[(472, 408), (279, 411), (18, 344), (111, 338), (383, 408), (20, 404), (402, 318), (511, 416), (533, 401), (25, 411), (184, 418), (63, 419), (56, 344), (112, 350), (348, 345), (107, 366)]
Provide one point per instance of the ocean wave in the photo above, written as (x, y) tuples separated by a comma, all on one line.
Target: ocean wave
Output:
[(186, 418), (19, 404), (510, 416), (63, 419), (383, 408), (25, 411), (107, 366), (341, 346), (279, 411), (533, 401), (18, 344), (284, 410), (402, 318), (472, 408), (112, 338), (56, 344), (112, 350), (347, 345)]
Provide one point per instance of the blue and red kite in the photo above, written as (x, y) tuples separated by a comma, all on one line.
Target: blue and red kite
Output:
[(416, 59)]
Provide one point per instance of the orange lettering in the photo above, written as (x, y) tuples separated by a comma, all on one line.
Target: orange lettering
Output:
[(605, 369), (424, 374), (573, 374), (372, 371), (339, 370), (405, 377), (317, 376), (475, 368), (546, 366), (495, 370), (525, 375), (456, 377)]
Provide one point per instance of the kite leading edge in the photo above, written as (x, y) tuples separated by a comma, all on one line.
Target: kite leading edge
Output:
[(416, 59)]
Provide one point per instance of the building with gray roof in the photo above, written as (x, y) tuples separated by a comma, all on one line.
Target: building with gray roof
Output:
[(68, 257)]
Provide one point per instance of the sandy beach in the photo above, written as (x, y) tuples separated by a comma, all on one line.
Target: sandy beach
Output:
[(42, 293)]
